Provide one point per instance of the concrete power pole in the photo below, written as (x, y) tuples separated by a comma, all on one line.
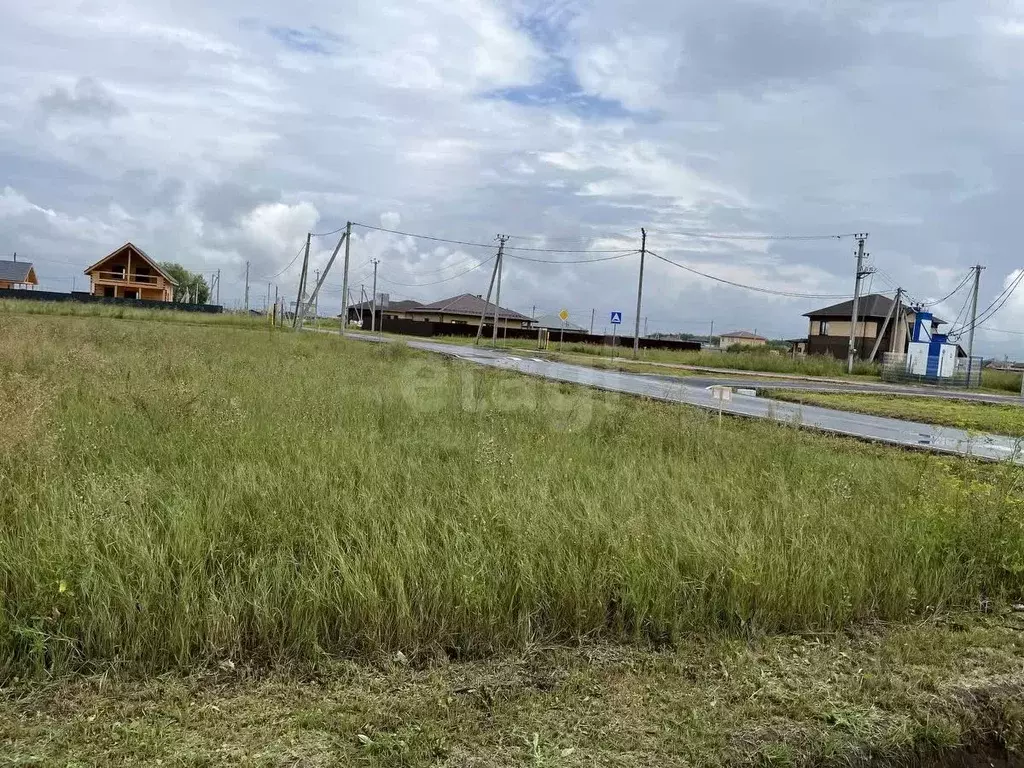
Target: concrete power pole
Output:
[(490, 287), (218, 287), (247, 286), (316, 300), (344, 280), (974, 321), (373, 305), (593, 312), (497, 293), (302, 283), (852, 352), (639, 293)]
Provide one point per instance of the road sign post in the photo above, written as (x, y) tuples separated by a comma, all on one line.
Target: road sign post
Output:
[(616, 320), (563, 316), (722, 395)]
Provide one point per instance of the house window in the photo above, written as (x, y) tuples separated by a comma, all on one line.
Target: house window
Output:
[(823, 327)]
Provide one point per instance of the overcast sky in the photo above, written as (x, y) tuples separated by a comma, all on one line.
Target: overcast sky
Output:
[(218, 133)]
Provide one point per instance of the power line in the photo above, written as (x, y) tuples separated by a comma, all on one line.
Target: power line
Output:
[(438, 282), (326, 234), (471, 244), (294, 258), (949, 295), (771, 291), (727, 236), (621, 255), (997, 303)]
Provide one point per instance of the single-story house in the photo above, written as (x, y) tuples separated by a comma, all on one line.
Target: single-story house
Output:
[(129, 273), (17, 274), (554, 323), (737, 338), (829, 327), (466, 308), (395, 310)]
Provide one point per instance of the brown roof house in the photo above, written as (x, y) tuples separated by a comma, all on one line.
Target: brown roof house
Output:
[(466, 308), (829, 327), (129, 273), (17, 274), (738, 338)]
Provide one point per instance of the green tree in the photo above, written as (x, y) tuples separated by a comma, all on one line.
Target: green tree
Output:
[(191, 288)]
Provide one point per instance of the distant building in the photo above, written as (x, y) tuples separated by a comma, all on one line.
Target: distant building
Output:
[(466, 308), (554, 323), (744, 338), (129, 273), (395, 310), (829, 327), (17, 274)]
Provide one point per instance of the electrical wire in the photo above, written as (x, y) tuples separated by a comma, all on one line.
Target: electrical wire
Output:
[(997, 303), (471, 244), (770, 291), (326, 234), (294, 258), (727, 236), (573, 261), (437, 282), (949, 295)]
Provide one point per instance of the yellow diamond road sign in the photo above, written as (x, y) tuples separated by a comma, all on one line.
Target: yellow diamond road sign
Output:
[(564, 315)]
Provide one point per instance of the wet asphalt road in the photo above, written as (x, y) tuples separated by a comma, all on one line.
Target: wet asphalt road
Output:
[(691, 390)]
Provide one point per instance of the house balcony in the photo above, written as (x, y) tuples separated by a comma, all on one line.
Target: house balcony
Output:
[(131, 280)]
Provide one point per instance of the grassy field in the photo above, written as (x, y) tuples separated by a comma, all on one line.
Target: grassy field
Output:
[(980, 416), (176, 493), (1001, 381), (178, 497)]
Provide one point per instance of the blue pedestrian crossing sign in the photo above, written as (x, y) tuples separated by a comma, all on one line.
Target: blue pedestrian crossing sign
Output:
[(616, 318)]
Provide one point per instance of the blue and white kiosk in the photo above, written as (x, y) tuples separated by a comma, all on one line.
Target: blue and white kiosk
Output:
[(930, 355)]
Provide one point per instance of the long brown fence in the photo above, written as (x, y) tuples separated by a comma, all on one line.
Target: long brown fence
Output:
[(431, 329)]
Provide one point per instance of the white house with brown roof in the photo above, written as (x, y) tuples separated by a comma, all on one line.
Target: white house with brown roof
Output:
[(129, 273)]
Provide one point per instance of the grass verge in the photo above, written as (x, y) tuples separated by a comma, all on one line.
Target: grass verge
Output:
[(972, 415), (946, 693)]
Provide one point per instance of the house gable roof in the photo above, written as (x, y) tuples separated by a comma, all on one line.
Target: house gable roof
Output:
[(140, 252), (554, 322), (18, 272), (469, 304), (404, 305), (743, 335), (874, 306)]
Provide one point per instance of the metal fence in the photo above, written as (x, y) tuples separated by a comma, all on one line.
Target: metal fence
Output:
[(967, 373)]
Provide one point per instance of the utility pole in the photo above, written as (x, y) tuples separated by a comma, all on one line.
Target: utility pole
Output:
[(247, 286), (302, 282), (497, 295), (974, 321), (852, 353), (344, 280), (639, 293), (316, 299), (974, 310), (711, 334), (490, 287), (218, 286), (592, 313), (373, 306), (268, 297), (645, 327), (276, 301)]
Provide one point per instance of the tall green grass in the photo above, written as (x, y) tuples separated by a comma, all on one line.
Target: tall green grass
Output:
[(1008, 381), (171, 494)]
